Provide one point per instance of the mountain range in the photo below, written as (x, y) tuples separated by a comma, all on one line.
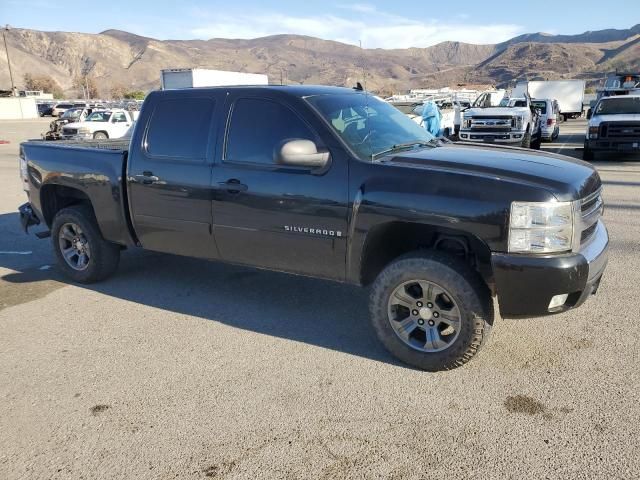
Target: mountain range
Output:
[(118, 58)]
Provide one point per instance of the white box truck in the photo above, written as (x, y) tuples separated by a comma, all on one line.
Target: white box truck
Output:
[(568, 93), (177, 78)]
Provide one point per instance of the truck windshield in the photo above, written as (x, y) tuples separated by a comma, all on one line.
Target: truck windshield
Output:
[(99, 117), (619, 105), (71, 114), (369, 125)]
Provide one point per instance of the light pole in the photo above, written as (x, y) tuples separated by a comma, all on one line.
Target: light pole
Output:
[(6, 49)]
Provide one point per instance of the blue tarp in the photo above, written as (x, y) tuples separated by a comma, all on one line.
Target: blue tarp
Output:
[(431, 118)]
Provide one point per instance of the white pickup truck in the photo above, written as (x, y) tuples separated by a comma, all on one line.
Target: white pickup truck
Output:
[(514, 122), (614, 126), (100, 125)]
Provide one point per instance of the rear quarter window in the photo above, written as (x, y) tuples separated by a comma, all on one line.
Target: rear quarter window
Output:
[(180, 128)]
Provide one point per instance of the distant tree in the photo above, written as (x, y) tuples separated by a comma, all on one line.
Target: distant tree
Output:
[(118, 91), (135, 95), (84, 83), (42, 82)]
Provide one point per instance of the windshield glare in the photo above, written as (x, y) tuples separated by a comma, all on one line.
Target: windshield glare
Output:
[(619, 105), (99, 117), (71, 114), (367, 124)]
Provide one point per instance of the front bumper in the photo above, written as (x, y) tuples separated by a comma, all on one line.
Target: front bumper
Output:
[(629, 145), (509, 138), (525, 284)]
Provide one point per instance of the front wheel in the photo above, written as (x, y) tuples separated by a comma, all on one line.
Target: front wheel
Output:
[(535, 144), (100, 136), (587, 154), (431, 311), (83, 255), (526, 140)]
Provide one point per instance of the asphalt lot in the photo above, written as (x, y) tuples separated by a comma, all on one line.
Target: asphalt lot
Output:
[(177, 368)]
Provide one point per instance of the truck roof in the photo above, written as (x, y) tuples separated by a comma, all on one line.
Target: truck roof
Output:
[(295, 90)]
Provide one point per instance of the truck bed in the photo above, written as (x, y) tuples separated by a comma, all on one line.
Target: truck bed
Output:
[(95, 168), (118, 144)]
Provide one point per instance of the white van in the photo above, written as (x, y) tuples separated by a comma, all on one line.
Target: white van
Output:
[(549, 117)]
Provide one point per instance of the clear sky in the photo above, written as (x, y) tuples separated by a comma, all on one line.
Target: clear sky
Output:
[(385, 24)]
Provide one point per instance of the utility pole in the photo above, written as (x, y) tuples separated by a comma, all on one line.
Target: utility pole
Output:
[(6, 49)]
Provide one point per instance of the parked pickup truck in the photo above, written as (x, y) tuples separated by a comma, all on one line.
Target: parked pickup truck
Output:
[(614, 126), (515, 121), (100, 125), (332, 183)]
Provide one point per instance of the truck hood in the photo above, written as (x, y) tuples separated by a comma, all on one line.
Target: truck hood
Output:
[(565, 178), (627, 117), (497, 111), (90, 125)]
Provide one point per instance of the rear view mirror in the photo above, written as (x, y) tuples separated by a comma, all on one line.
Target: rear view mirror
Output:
[(301, 153)]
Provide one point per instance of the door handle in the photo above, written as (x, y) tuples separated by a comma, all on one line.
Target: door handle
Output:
[(147, 178), (233, 186)]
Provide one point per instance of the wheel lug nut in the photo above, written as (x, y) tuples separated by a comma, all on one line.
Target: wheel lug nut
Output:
[(436, 314), (431, 323), (415, 313), (419, 304), (430, 305), (420, 322)]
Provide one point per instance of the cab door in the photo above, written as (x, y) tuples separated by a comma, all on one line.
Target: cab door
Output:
[(169, 173), (119, 124), (279, 217)]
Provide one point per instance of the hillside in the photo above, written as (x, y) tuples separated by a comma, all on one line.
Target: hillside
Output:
[(115, 57)]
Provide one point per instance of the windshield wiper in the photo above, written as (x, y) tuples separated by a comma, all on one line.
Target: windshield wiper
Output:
[(404, 146)]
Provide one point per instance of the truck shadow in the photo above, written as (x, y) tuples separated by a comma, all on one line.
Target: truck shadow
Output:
[(308, 310)]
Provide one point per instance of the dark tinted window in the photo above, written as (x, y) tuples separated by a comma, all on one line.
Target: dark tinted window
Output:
[(180, 128), (258, 127), (542, 106)]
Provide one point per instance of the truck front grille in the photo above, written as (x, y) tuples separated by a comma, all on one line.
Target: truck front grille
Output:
[(491, 124), (620, 130), (69, 131), (591, 209)]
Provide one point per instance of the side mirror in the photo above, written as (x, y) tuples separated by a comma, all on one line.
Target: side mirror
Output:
[(301, 153), (589, 114)]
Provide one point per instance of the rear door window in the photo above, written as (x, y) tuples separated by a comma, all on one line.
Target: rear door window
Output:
[(258, 127), (180, 128)]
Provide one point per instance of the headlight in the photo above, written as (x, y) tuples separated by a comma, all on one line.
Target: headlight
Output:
[(519, 122), (541, 227), (466, 123), (84, 130), (593, 132)]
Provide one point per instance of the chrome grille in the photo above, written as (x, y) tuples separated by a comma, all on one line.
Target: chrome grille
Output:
[(620, 130), (590, 210)]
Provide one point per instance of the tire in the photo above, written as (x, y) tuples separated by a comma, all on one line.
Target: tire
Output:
[(103, 257), (467, 292), (100, 136), (535, 144), (587, 154), (526, 141)]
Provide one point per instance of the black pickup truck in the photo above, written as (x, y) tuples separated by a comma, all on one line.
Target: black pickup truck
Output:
[(332, 183)]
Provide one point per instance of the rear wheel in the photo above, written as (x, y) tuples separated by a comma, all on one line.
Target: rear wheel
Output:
[(431, 311), (82, 253)]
